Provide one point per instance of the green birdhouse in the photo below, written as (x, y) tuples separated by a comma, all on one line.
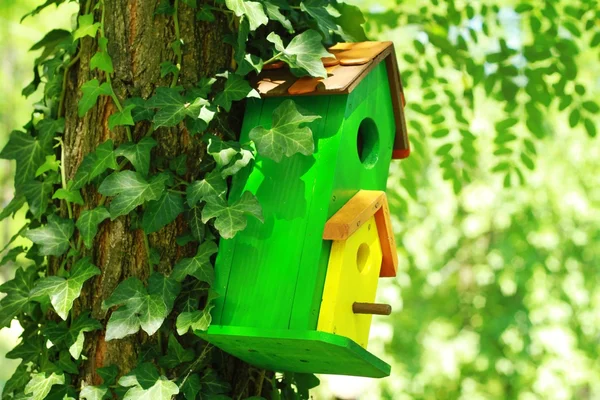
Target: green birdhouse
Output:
[(297, 291)]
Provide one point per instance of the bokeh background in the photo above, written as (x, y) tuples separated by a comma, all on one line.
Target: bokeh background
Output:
[(496, 212)]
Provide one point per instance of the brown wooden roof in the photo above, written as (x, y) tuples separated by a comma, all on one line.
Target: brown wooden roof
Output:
[(352, 63)]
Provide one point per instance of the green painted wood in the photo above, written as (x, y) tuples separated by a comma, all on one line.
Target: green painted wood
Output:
[(370, 99), (297, 351), (266, 257), (227, 247)]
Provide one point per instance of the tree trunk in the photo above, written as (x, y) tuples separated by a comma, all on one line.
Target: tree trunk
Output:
[(139, 42)]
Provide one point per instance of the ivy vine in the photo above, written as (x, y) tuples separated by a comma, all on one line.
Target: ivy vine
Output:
[(132, 183)]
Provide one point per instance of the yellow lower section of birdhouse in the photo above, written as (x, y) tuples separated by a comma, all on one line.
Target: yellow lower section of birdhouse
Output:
[(352, 276)]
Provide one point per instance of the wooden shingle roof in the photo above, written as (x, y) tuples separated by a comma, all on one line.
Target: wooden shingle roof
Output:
[(352, 63)]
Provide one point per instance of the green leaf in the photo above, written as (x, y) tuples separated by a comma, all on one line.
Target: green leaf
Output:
[(139, 309), (179, 164), (173, 108), (304, 51), (196, 320), (191, 387), (167, 67), (37, 194), (274, 13), (28, 153), (163, 389), (71, 336), (591, 106), (94, 393), (11, 208), (18, 380), (212, 384), (51, 164), (286, 136), (162, 212), (121, 118), (86, 27), (252, 10), (236, 88), (11, 255), (165, 287), (197, 227), (590, 127), (212, 185), (198, 266), (102, 62), (72, 196), (205, 14), (47, 129), (95, 164), (176, 354), (91, 91), (40, 385), (88, 222), (230, 219), (317, 9), (138, 154), (229, 156), (63, 292), (131, 190), (53, 238), (140, 112), (17, 294), (351, 21)]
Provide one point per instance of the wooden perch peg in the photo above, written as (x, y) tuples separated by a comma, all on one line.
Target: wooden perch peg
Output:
[(371, 308)]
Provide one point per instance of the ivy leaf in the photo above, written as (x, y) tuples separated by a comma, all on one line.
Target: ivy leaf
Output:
[(162, 212), (179, 164), (163, 389), (167, 67), (86, 27), (173, 108), (88, 222), (94, 393), (28, 153), (102, 60), (196, 320), (191, 387), (318, 10), (212, 185), (286, 136), (11, 255), (51, 164), (37, 194), (140, 112), (72, 196), (252, 10), (236, 88), (63, 292), (40, 385), (230, 219), (131, 190), (229, 156), (94, 164), (71, 336), (47, 128), (351, 21), (205, 14), (275, 14), (213, 385), (197, 228), (198, 266), (176, 354), (53, 238), (304, 51), (91, 91), (17, 381), (138, 154), (121, 118), (17, 294), (11, 208), (139, 307)]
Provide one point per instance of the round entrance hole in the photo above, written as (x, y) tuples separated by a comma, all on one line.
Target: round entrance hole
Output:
[(367, 143), (362, 256)]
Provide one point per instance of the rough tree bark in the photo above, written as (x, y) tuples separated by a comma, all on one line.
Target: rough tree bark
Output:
[(138, 42)]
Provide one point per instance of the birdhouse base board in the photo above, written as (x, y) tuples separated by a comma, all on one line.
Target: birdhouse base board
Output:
[(297, 351)]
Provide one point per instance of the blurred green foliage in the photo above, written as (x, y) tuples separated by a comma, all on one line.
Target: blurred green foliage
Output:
[(497, 211)]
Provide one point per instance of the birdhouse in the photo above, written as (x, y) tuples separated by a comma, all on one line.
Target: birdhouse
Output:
[(297, 292)]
